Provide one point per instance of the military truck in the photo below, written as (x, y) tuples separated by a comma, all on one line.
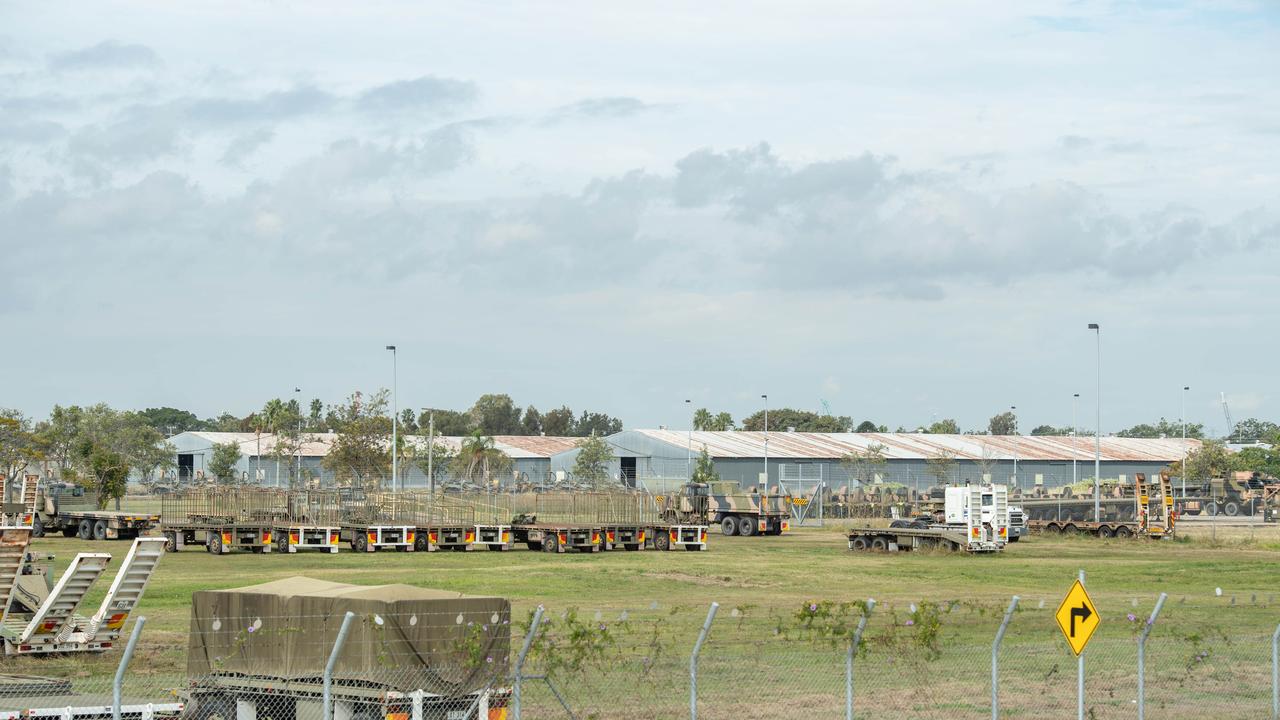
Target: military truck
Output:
[(410, 652), (726, 503), (66, 508)]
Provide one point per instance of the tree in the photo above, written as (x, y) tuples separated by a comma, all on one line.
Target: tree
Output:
[(226, 422), (558, 422), (102, 471), (801, 420), (705, 469), (702, 419), (1211, 460), (941, 467), (448, 423), (284, 421), (1250, 430), (315, 418), (946, 426), (172, 421), (223, 463), (866, 426), (1163, 428), (1049, 430), (361, 452), (408, 422), (495, 415), (596, 424), (480, 461), (434, 459), (987, 463), (58, 436), (592, 463), (1005, 423), (19, 444), (531, 422), (863, 465)]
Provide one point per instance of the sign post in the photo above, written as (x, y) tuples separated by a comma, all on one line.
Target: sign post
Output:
[(1078, 619)]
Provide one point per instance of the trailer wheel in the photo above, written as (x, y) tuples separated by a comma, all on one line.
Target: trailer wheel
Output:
[(171, 542), (1105, 531), (898, 524), (359, 542), (1211, 508), (1124, 532), (86, 530), (662, 541), (729, 526), (1069, 529), (215, 707), (282, 542), (1231, 508), (858, 543), (746, 526), (550, 543), (879, 543), (37, 526), (100, 530), (422, 542), (214, 544), (1053, 528)]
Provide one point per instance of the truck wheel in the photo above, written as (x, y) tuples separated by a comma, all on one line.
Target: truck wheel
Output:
[(86, 530), (359, 542), (1123, 532), (215, 707), (746, 526), (729, 526), (282, 542), (1105, 531), (858, 543), (171, 542), (100, 530), (662, 541), (879, 543), (214, 543), (1069, 529), (37, 527), (1230, 508), (550, 543), (1211, 508), (896, 524), (422, 542)]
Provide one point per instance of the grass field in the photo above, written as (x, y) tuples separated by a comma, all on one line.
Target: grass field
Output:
[(763, 584)]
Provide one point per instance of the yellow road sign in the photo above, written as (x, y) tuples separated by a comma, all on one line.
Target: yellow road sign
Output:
[(1077, 617)]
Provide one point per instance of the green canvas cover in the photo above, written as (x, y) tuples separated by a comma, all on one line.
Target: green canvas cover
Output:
[(403, 638)]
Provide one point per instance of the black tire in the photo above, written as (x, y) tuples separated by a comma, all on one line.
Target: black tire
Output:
[(360, 542), (878, 543), (1124, 532), (100, 530), (662, 541), (746, 526), (86, 530), (422, 542), (859, 543), (1211, 508), (729, 526), (70, 531), (171, 542), (37, 526), (282, 542), (215, 707), (1105, 531), (896, 524), (1231, 508), (1070, 529), (919, 525), (1053, 528), (550, 543), (214, 544)]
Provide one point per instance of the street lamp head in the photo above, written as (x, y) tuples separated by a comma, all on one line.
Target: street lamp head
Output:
[(392, 348), (1186, 387), (765, 397), (1094, 326), (1075, 395)]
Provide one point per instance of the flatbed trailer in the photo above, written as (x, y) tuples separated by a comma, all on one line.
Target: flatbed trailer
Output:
[(558, 537), (82, 707), (907, 538), (247, 698), (292, 537), (974, 519), (218, 537), (432, 538), (670, 537), (1104, 529), (372, 538), (494, 536)]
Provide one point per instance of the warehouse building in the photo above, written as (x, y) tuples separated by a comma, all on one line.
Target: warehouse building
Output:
[(530, 457), (661, 459)]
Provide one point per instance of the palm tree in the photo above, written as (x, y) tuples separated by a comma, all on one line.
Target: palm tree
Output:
[(702, 419), (478, 452)]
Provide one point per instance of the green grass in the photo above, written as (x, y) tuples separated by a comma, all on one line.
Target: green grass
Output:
[(761, 583)]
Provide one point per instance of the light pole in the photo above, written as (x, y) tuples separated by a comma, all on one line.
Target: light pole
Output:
[(395, 422), (1013, 410), (1097, 437), (297, 394), (688, 459), (1185, 388), (765, 492), (431, 449), (1075, 433)]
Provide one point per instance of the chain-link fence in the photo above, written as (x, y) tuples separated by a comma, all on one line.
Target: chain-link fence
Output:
[(1195, 658)]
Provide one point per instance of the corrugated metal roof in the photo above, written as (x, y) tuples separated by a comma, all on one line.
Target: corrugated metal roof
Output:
[(318, 444), (921, 446)]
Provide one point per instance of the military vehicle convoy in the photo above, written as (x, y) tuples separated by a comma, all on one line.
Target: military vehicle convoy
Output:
[(973, 518)]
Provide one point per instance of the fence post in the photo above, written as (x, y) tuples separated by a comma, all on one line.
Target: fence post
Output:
[(995, 658), (519, 669), (118, 684), (1079, 674), (848, 659), (693, 661), (1142, 656), (333, 660), (1275, 674)]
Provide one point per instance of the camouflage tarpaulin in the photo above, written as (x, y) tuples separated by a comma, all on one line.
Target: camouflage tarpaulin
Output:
[(404, 638)]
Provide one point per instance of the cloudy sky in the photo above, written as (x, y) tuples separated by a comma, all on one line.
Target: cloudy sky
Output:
[(902, 210)]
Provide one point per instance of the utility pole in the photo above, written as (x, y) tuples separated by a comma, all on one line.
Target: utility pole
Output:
[(1185, 388), (431, 448), (1075, 433), (765, 491), (1013, 410), (297, 393), (1097, 438), (395, 420), (688, 460)]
